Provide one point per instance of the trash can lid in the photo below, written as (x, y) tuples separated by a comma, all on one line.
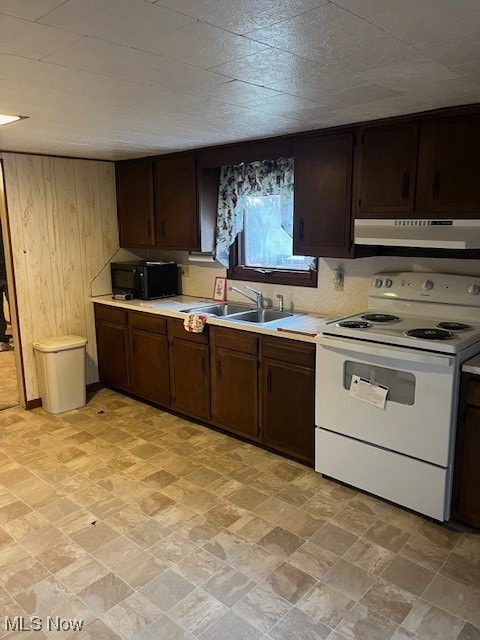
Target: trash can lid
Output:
[(59, 343)]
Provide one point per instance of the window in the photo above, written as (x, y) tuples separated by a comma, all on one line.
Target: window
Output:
[(266, 240), (255, 224)]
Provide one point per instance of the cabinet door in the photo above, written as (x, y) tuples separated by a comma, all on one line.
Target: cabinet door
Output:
[(190, 377), (387, 170), (112, 354), (466, 504), (323, 194), (135, 203), (149, 366), (288, 408), (234, 391), (176, 203), (451, 153)]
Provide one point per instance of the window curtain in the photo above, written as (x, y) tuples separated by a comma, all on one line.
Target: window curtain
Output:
[(266, 177)]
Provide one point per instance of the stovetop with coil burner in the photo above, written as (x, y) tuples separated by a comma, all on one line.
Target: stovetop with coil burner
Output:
[(432, 312)]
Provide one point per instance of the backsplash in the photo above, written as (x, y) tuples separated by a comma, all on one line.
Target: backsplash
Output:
[(324, 299)]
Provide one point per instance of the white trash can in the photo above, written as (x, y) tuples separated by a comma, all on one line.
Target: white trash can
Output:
[(61, 372)]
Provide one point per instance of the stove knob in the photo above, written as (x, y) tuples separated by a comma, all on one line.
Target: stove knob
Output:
[(473, 290), (388, 283), (378, 283), (427, 285)]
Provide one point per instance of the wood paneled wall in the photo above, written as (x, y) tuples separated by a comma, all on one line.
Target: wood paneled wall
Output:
[(63, 227)]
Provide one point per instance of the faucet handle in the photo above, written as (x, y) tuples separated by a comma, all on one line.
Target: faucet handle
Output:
[(259, 293), (280, 301)]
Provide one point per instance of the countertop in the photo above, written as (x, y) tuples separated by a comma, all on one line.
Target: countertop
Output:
[(472, 365), (303, 327)]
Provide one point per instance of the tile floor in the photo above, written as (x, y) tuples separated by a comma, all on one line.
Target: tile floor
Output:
[(149, 527), (8, 380)]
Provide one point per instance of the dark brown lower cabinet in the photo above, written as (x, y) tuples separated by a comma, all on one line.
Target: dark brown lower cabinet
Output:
[(235, 381), (112, 346), (466, 485), (189, 371), (149, 366), (257, 387), (287, 396), (148, 355)]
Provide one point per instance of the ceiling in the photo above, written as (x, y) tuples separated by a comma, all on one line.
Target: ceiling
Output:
[(125, 78)]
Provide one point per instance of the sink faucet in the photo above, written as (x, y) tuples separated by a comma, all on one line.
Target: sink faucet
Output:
[(258, 300)]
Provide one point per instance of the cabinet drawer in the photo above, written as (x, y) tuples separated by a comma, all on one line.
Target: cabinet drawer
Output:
[(473, 393), (289, 351), (148, 322), (236, 340), (110, 314), (177, 330)]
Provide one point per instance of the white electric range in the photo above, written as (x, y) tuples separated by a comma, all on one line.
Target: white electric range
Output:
[(387, 388)]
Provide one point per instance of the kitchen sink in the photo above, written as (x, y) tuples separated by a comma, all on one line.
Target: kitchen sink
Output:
[(260, 316), (219, 309)]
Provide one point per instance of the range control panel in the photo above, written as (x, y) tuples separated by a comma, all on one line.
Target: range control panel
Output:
[(442, 288)]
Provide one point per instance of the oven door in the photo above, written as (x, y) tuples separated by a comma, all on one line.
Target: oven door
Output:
[(419, 411)]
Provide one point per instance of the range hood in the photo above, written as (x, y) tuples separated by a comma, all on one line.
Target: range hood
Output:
[(440, 234)]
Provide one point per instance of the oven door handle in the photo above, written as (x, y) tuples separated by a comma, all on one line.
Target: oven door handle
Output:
[(384, 351)]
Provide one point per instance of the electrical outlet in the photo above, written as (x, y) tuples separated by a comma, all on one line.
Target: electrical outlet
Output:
[(185, 270), (338, 286)]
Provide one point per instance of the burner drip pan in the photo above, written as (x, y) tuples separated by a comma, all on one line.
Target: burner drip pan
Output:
[(430, 333), (355, 324), (380, 317), (454, 326)]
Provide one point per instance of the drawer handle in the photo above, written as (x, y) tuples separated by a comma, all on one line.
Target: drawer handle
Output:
[(300, 234), (219, 368), (203, 364), (269, 381)]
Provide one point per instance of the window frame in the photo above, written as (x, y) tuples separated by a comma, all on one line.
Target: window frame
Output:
[(292, 277)]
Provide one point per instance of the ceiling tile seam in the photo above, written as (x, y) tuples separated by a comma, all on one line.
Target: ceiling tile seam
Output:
[(40, 24), (115, 42), (319, 62), (375, 26), (237, 35), (49, 12), (271, 47), (321, 4), (408, 44), (89, 71), (279, 93), (271, 24), (149, 53)]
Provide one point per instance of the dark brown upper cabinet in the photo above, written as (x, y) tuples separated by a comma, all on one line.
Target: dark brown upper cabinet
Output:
[(323, 195), (158, 206), (176, 215), (449, 185), (387, 170), (135, 203)]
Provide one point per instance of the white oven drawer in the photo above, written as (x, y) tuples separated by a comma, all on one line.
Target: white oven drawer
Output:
[(417, 485), (421, 404)]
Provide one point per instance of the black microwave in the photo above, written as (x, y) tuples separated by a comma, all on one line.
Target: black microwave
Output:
[(145, 280)]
